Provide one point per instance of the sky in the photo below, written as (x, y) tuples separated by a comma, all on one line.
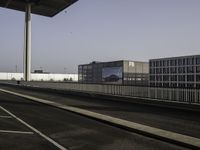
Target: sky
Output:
[(101, 30)]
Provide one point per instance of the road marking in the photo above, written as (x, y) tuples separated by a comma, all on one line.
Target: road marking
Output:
[(7, 117), (16, 132), (35, 130), (164, 135)]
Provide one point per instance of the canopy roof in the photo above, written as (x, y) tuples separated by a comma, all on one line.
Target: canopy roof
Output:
[(47, 8)]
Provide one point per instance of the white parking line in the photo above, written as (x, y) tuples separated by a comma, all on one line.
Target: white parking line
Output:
[(35, 130), (6, 117), (16, 132)]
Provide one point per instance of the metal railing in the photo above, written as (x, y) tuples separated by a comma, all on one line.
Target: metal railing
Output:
[(156, 93)]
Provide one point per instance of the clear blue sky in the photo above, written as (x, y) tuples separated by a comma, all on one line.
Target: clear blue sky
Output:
[(102, 30)]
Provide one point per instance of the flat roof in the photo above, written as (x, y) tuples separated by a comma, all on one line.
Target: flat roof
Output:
[(114, 61), (48, 8), (173, 57)]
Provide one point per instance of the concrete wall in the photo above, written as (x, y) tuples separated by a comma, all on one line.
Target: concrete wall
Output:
[(39, 77)]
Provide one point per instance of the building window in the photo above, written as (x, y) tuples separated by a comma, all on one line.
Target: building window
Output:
[(180, 62), (157, 64), (165, 84), (173, 62), (181, 85), (166, 63), (173, 78), (164, 70), (190, 78), (173, 70), (165, 78), (190, 69), (154, 63), (152, 84), (181, 70), (173, 85), (181, 78), (198, 60), (198, 77), (190, 61), (198, 69), (161, 63), (157, 70), (152, 78), (151, 64), (158, 78), (189, 85)]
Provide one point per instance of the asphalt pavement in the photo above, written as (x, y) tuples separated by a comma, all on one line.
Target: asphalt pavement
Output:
[(180, 121), (69, 130)]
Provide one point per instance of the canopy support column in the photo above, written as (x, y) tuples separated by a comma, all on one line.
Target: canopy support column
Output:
[(27, 43)]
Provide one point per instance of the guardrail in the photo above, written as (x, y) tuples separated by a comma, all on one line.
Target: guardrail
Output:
[(157, 93)]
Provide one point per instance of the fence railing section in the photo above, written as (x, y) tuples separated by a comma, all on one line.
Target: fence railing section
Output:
[(157, 93)]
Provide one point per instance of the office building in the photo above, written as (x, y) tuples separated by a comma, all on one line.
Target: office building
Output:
[(115, 72), (182, 72)]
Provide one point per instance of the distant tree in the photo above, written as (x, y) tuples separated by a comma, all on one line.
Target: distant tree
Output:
[(13, 79), (52, 80), (65, 79)]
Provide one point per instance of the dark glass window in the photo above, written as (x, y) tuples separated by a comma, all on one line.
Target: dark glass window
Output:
[(190, 61), (184, 61), (198, 77), (190, 78), (154, 63), (157, 63), (165, 84), (159, 84), (173, 78), (152, 78), (190, 69), (181, 85), (180, 62), (166, 63), (161, 63), (152, 84), (151, 71), (181, 70), (198, 69), (173, 85), (190, 85), (172, 62), (173, 70), (198, 60), (165, 78), (157, 70), (150, 63), (181, 78)]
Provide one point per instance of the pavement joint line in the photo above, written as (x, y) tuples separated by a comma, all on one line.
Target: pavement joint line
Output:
[(157, 133), (15, 132), (6, 117), (35, 130)]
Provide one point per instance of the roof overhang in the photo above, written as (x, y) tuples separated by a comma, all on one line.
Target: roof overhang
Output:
[(47, 8)]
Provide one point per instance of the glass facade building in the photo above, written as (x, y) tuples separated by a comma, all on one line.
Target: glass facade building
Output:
[(115, 72), (183, 72)]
